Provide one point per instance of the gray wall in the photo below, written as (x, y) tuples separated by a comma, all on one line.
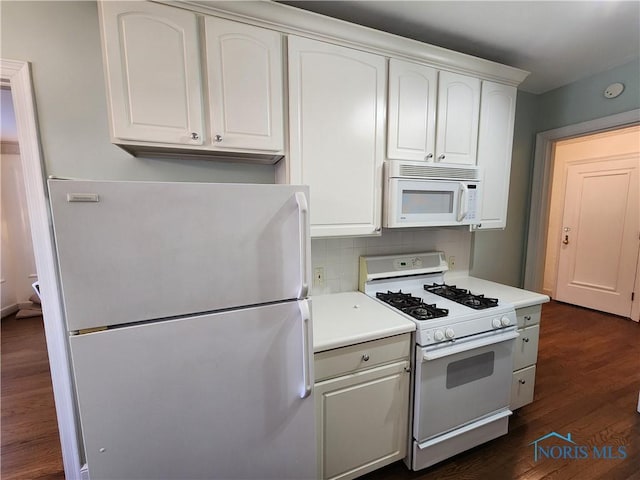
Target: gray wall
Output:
[(500, 255), (62, 42)]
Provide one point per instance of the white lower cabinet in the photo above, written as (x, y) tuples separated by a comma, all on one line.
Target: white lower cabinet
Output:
[(525, 356), (362, 406)]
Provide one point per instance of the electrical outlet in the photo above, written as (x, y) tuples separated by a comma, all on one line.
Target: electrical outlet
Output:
[(318, 277), (452, 263)]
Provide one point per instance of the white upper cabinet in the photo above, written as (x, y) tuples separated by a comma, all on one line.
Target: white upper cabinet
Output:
[(497, 115), (152, 67), (244, 70), (412, 111), (457, 118), (336, 116)]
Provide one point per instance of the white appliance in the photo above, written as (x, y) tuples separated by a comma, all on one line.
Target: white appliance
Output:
[(189, 327), (463, 357), (421, 194)]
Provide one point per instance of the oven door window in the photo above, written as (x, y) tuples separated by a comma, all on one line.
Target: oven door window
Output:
[(454, 390)]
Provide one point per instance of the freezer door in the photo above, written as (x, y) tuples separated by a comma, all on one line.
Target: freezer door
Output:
[(214, 396), (132, 251)]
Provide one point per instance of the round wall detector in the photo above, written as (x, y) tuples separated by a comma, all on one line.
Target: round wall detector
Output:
[(613, 90)]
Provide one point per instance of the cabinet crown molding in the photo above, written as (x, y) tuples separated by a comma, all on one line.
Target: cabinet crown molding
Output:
[(292, 20)]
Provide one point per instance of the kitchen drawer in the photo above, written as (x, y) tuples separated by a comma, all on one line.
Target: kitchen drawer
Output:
[(525, 352), (522, 387), (528, 315), (341, 361)]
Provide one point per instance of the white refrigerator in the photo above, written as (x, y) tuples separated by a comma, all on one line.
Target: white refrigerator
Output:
[(189, 327)]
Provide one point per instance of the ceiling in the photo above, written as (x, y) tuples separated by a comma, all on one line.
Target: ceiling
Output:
[(559, 42)]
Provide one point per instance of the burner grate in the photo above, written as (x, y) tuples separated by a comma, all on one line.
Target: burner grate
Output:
[(461, 296), (413, 306)]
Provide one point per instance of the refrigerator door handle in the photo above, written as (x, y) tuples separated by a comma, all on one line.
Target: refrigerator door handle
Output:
[(303, 214), (305, 313)]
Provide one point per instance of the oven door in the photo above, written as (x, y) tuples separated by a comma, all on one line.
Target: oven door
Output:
[(462, 381)]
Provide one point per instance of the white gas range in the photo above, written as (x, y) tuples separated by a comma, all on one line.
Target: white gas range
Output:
[(462, 362)]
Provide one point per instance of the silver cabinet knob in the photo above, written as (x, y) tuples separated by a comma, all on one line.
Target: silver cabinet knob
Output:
[(525, 340), (441, 157), (218, 138), (527, 317), (194, 136), (521, 382), (365, 357), (429, 156)]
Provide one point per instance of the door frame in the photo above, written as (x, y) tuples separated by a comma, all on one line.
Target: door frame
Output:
[(541, 192), (17, 74)]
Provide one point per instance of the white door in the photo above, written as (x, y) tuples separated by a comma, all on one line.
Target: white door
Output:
[(412, 111), (133, 251), (600, 236), (244, 66), (337, 106), (457, 118), (153, 75), (495, 142), (205, 397)]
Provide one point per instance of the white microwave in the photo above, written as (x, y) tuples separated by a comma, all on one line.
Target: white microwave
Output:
[(421, 194)]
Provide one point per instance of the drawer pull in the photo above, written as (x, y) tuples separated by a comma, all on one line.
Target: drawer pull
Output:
[(525, 339), (527, 318), (365, 357), (521, 382)]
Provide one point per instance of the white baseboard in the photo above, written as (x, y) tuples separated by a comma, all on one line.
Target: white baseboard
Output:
[(9, 310)]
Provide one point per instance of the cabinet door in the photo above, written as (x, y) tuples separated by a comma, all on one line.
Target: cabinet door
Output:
[(244, 70), (526, 351), (412, 111), (457, 118), (522, 384), (153, 72), (362, 420), (495, 139), (336, 106)]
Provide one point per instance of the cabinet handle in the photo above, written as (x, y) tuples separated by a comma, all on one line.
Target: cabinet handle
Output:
[(527, 318), (521, 382), (218, 138), (525, 339), (378, 230), (194, 136), (365, 357), (441, 157), (429, 156)]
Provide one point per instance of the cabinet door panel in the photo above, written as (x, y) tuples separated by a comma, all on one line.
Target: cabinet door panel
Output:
[(153, 72), (244, 66), (526, 350), (336, 101), (363, 420), (495, 140), (457, 120), (412, 111)]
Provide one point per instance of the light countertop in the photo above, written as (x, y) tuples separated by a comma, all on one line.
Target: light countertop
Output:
[(516, 296), (342, 319)]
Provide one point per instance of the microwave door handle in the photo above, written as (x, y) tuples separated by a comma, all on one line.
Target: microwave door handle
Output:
[(462, 201)]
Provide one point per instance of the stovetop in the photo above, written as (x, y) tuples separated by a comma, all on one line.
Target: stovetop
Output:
[(462, 296), (412, 306)]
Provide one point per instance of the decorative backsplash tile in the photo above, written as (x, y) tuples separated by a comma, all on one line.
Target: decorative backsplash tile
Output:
[(339, 258)]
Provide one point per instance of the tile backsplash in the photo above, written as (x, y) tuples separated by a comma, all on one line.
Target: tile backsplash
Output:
[(339, 258)]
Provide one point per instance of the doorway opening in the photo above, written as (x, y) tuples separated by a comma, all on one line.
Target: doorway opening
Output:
[(592, 236)]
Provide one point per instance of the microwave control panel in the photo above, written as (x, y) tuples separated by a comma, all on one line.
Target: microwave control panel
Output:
[(472, 202)]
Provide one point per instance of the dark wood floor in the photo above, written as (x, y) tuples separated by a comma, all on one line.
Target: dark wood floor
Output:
[(588, 381)]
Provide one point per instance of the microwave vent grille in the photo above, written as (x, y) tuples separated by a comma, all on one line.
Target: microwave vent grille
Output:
[(439, 171)]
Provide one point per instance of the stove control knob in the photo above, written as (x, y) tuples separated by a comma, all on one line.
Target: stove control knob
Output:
[(439, 336), (505, 321), (449, 333), (496, 323)]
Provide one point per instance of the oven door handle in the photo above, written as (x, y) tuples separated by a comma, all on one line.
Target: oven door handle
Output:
[(468, 345)]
